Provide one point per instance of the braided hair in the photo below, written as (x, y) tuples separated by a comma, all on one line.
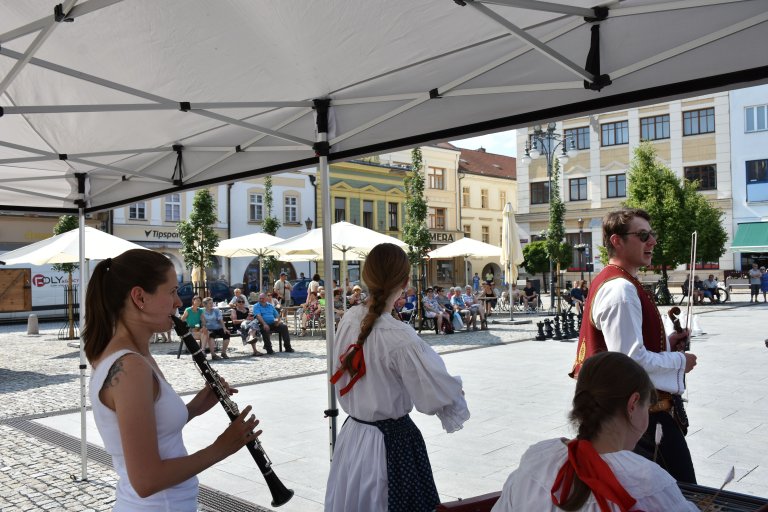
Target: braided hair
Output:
[(385, 270), (605, 383)]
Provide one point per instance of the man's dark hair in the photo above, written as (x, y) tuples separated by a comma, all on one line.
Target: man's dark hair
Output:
[(617, 223)]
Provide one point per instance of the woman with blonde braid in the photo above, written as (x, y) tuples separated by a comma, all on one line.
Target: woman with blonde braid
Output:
[(380, 461)]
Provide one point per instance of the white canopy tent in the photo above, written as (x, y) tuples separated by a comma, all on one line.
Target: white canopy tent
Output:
[(466, 248), (138, 98)]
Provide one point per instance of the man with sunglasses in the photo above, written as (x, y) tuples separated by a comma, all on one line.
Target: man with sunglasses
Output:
[(619, 316)]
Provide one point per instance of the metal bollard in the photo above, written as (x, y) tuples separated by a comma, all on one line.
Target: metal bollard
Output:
[(32, 327)]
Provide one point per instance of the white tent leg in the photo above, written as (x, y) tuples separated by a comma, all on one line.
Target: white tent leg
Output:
[(322, 151), (83, 363)]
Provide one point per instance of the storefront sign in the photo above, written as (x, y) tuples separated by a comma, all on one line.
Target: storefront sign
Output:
[(442, 237)]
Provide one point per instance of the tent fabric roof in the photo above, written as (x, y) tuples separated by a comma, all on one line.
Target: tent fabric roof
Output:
[(141, 98), (751, 237)]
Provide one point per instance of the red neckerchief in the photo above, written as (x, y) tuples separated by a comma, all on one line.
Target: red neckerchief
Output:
[(357, 367), (585, 462)]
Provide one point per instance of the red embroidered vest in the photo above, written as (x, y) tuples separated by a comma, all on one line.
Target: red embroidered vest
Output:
[(591, 339)]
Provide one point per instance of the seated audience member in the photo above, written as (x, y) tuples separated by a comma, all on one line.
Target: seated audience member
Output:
[(444, 300), (193, 316), (711, 284), (460, 307), (597, 471), (577, 296), (214, 322), (357, 296), (515, 295), (488, 296), (238, 295), (584, 289), (314, 284), (269, 319), (433, 309), (530, 297), (698, 284), (338, 305), (310, 312), (474, 306), (695, 294), (242, 319)]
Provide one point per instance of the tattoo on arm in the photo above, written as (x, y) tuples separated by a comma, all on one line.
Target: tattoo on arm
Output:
[(113, 376)]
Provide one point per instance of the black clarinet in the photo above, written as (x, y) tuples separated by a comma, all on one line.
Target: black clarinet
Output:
[(280, 495)]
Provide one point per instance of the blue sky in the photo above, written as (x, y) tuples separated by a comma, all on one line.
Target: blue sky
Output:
[(502, 143)]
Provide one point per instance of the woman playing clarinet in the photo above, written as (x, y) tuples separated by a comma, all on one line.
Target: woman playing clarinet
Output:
[(597, 471), (138, 414), (380, 461)]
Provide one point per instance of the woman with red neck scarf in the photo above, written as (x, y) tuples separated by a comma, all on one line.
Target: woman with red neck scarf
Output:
[(597, 471)]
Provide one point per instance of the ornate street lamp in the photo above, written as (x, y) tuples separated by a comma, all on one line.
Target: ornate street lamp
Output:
[(546, 142), (308, 223)]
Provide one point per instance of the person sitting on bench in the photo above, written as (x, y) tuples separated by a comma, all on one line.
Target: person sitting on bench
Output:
[(530, 297), (269, 320)]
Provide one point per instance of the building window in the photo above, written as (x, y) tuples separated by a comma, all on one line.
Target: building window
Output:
[(579, 136), (578, 188), (654, 128), (613, 134), (368, 214), (486, 237), (756, 118), (699, 121), (437, 218), (484, 199), (436, 178), (540, 192), (616, 185), (579, 259), (137, 211), (393, 215), (340, 209), (291, 210), (173, 208), (502, 198), (465, 197), (255, 207), (757, 180), (705, 174), (467, 231)]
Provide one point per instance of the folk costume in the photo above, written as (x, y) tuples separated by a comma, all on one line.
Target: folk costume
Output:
[(620, 316), (380, 461), (620, 481)]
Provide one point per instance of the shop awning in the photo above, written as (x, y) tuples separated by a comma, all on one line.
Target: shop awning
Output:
[(751, 237)]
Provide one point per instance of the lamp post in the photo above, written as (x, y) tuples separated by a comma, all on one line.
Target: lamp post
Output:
[(308, 224), (581, 246), (545, 141)]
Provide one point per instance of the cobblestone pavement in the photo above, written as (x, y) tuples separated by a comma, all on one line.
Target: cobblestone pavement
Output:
[(39, 377)]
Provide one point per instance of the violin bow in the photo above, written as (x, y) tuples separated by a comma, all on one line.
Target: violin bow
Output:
[(692, 271)]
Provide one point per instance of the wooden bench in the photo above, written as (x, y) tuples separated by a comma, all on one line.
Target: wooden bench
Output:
[(737, 283)]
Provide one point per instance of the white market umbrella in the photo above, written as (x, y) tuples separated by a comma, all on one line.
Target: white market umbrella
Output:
[(255, 244), (511, 249), (65, 248), (466, 248)]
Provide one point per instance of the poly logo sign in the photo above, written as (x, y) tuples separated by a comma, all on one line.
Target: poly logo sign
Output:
[(41, 280)]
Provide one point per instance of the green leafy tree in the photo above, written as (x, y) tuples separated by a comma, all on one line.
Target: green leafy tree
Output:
[(556, 229), (64, 224), (536, 258), (197, 236), (269, 225), (415, 232), (676, 208)]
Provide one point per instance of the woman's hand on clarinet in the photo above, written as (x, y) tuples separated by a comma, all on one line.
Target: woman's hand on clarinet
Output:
[(239, 433)]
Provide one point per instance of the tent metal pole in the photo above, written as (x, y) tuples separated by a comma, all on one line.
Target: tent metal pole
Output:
[(322, 150), (81, 177)]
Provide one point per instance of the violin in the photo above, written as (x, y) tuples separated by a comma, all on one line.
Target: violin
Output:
[(674, 315)]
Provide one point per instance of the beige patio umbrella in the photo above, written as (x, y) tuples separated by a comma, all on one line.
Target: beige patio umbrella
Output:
[(511, 249), (255, 244), (466, 248)]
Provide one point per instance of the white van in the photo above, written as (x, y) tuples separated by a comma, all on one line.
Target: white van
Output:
[(48, 290)]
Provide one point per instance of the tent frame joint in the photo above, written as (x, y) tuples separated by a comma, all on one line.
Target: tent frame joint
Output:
[(59, 16), (434, 93), (322, 148), (601, 13), (331, 413), (185, 106)]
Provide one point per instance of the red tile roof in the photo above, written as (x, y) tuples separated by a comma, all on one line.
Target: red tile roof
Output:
[(478, 161)]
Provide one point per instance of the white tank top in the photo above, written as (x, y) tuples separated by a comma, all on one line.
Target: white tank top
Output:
[(171, 416)]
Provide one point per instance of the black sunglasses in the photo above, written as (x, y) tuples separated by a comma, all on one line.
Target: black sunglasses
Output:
[(643, 235)]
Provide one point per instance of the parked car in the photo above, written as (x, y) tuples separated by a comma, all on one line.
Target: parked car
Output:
[(218, 290), (299, 291)]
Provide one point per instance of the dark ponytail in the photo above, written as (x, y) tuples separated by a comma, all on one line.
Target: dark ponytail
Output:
[(605, 383), (385, 270), (109, 287)]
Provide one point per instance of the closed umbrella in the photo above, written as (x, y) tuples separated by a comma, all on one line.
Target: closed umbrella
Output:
[(511, 249)]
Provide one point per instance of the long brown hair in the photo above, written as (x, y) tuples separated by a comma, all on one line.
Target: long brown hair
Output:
[(385, 270), (602, 392), (108, 288)]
